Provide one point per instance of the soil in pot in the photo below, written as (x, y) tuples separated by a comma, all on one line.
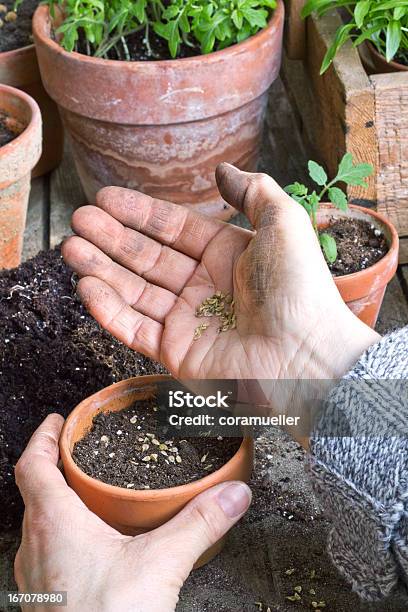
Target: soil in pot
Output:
[(359, 245), (15, 28), (128, 449), (52, 356), (9, 130)]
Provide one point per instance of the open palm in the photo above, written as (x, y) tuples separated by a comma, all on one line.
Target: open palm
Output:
[(146, 265)]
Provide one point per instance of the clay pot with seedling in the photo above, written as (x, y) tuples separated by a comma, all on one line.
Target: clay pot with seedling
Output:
[(19, 68), (129, 473), (154, 95), (359, 244), (20, 150)]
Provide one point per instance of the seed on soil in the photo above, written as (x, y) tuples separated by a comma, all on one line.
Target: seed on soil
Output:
[(145, 447), (147, 458), (312, 592), (10, 17), (174, 449), (163, 447), (203, 458), (119, 432), (133, 419), (153, 457), (105, 440), (290, 571), (178, 459), (172, 459), (294, 597), (111, 455), (164, 453), (155, 442), (130, 485), (298, 589)]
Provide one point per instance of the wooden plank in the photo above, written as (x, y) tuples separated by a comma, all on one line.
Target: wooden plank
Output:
[(35, 232), (338, 107), (66, 195), (391, 118), (295, 30)]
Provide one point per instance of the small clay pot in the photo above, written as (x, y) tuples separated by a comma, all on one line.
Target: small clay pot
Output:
[(379, 63), (130, 511), (17, 159), (161, 127), (19, 68), (364, 291)]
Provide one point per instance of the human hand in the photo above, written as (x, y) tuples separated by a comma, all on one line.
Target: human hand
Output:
[(65, 547), (147, 264)]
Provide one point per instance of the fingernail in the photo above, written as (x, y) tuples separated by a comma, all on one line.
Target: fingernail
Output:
[(234, 499)]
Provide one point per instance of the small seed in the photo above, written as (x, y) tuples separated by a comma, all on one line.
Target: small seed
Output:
[(298, 589), (119, 432), (145, 447), (11, 16), (153, 457), (295, 597), (203, 458), (149, 435), (155, 442), (146, 487), (105, 440), (171, 459), (164, 453), (147, 458), (208, 467), (163, 447), (133, 419), (141, 439), (178, 459), (174, 449), (111, 455), (312, 592), (130, 485)]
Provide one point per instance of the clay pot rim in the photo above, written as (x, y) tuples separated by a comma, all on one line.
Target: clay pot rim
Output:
[(42, 13), (382, 263), (141, 495), (28, 131), (396, 65), (19, 51)]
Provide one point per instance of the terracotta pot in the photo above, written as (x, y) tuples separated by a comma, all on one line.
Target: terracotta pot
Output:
[(379, 63), (131, 511), (20, 69), (363, 291), (161, 127), (17, 159)]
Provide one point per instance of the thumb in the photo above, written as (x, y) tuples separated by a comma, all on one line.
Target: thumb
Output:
[(204, 521), (250, 193)]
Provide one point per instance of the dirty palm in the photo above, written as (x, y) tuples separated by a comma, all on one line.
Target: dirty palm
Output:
[(147, 265)]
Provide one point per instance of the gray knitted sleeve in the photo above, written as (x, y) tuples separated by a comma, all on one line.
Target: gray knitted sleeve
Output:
[(359, 464)]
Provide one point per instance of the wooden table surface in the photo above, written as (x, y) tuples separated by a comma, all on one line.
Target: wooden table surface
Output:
[(267, 542)]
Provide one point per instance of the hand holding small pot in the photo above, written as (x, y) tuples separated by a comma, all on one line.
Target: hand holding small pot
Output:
[(65, 547)]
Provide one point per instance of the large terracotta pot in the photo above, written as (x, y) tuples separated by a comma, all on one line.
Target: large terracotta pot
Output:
[(17, 159), (363, 291), (161, 127), (132, 511), (19, 69)]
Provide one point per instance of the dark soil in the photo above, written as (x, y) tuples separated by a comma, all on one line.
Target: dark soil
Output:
[(127, 449), (16, 34), (6, 134), (359, 245), (52, 355), (139, 51)]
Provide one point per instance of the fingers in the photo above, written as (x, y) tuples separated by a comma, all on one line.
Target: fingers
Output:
[(36, 471), (250, 193), (203, 522), (171, 224), (137, 331), (87, 260), (145, 257)]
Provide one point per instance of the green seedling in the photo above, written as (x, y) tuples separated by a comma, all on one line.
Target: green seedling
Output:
[(105, 25), (348, 173), (383, 22)]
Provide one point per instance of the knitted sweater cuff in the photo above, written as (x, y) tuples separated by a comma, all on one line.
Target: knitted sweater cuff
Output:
[(359, 466)]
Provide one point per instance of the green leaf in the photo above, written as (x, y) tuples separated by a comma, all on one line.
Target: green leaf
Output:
[(317, 173), (393, 39), (296, 189), (353, 174), (360, 11), (338, 198), (342, 34), (329, 247)]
